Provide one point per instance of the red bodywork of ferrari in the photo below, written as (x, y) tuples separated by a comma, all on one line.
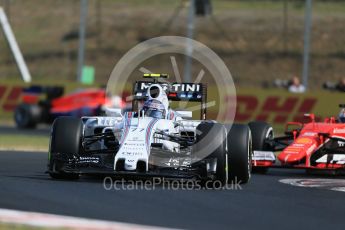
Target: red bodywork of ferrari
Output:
[(312, 145)]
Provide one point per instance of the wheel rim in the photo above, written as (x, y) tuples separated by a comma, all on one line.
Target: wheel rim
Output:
[(249, 155), (19, 116), (270, 134)]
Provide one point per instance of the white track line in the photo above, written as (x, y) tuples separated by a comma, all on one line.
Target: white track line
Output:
[(330, 184), (56, 221)]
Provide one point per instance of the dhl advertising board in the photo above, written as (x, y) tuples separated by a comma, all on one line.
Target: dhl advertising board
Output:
[(275, 106), (279, 106)]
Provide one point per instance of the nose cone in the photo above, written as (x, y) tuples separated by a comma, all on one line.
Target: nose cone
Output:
[(297, 151), (130, 164)]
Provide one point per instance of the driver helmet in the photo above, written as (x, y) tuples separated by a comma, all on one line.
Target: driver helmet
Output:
[(154, 108), (341, 116)]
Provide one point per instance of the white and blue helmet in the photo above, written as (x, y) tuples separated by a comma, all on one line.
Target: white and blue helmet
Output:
[(154, 108)]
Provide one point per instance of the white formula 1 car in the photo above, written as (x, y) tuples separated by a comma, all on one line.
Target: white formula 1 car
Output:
[(152, 140)]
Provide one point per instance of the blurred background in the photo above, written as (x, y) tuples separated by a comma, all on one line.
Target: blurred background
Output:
[(258, 40), (263, 43), (286, 57)]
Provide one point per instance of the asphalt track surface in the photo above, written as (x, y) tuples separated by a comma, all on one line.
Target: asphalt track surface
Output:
[(264, 203)]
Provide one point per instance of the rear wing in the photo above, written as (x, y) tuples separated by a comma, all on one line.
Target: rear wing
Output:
[(193, 92)]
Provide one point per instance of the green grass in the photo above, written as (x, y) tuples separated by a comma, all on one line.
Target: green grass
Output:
[(24, 142), (5, 226), (293, 6)]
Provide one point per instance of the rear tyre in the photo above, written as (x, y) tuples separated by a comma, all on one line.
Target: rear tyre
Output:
[(239, 142), (261, 131), (65, 140), (27, 116), (213, 135)]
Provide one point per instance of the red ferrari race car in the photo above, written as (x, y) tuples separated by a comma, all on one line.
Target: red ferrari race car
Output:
[(318, 147), (87, 102)]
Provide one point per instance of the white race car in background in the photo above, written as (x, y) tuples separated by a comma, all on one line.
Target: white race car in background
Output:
[(138, 143)]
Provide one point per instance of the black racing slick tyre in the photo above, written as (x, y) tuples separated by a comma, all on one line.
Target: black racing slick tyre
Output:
[(27, 116), (261, 131), (239, 142), (65, 139), (213, 136)]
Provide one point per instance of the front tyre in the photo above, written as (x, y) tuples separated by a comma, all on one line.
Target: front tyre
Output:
[(240, 153), (261, 131), (65, 143), (213, 136)]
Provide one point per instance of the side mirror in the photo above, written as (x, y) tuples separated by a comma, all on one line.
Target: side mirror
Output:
[(185, 114), (292, 127), (113, 112), (311, 116)]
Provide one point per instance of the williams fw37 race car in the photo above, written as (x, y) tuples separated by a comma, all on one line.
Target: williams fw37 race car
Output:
[(152, 140), (318, 147)]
